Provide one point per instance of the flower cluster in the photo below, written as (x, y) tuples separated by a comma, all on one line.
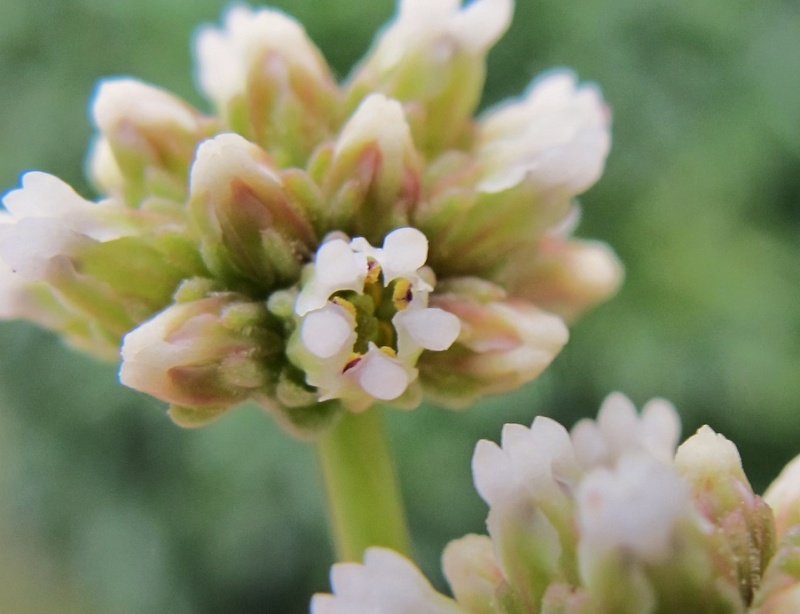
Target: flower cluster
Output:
[(313, 245), (607, 518)]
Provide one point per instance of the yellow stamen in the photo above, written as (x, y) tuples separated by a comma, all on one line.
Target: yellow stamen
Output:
[(338, 300), (402, 295), (373, 271), (388, 351)]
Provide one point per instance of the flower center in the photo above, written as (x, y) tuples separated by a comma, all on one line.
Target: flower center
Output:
[(374, 308)]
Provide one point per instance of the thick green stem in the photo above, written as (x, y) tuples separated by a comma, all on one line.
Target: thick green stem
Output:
[(363, 497)]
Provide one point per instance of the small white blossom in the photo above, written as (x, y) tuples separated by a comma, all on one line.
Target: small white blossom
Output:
[(48, 222), (329, 330), (557, 137), (633, 508), (386, 583), (618, 430)]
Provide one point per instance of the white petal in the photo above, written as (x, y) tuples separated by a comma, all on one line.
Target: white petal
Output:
[(44, 196), (382, 376), (493, 472), (404, 251), (327, 331), (635, 507), (336, 268), (482, 22), (430, 328)]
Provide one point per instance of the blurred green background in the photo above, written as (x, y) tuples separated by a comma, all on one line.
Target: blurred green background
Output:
[(105, 506)]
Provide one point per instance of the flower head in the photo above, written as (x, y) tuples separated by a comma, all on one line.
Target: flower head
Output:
[(610, 518), (387, 243)]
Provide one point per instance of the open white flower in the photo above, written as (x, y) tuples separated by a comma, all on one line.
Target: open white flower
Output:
[(364, 318), (386, 583), (619, 430), (557, 137)]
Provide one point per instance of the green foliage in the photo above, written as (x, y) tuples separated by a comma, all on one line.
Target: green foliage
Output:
[(701, 199)]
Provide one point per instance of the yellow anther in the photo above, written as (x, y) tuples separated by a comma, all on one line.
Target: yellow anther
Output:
[(373, 271), (388, 351), (338, 300), (402, 295)]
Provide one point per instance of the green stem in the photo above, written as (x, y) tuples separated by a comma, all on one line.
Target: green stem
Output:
[(363, 497)]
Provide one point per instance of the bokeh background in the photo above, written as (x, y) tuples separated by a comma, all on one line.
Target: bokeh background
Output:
[(105, 506)]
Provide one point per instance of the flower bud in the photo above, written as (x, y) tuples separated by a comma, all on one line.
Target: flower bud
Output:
[(565, 276), (432, 58), (503, 344), (253, 232), (375, 165), (779, 592), (474, 575), (783, 497), (151, 136), (203, 356), (742, 522), (268, 82)]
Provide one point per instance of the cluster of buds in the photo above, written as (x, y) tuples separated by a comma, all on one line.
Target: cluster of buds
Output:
[(608, 518), (315, 245)]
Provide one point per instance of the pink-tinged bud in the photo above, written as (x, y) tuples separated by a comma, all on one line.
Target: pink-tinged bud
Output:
[(151, 136), (474, 575), (565, 276), (503, 344), (432, 58), (252, 229), (268, 82), (374, 167), (783, 496), (741, 521), (779, 592), (203, 356)]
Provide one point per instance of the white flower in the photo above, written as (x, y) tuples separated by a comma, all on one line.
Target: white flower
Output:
[(535, 463), (386, 583), (226, 56), (49, 221), (633, 508), (557, 137), (618, 430), (344, 359), (432, 24)]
